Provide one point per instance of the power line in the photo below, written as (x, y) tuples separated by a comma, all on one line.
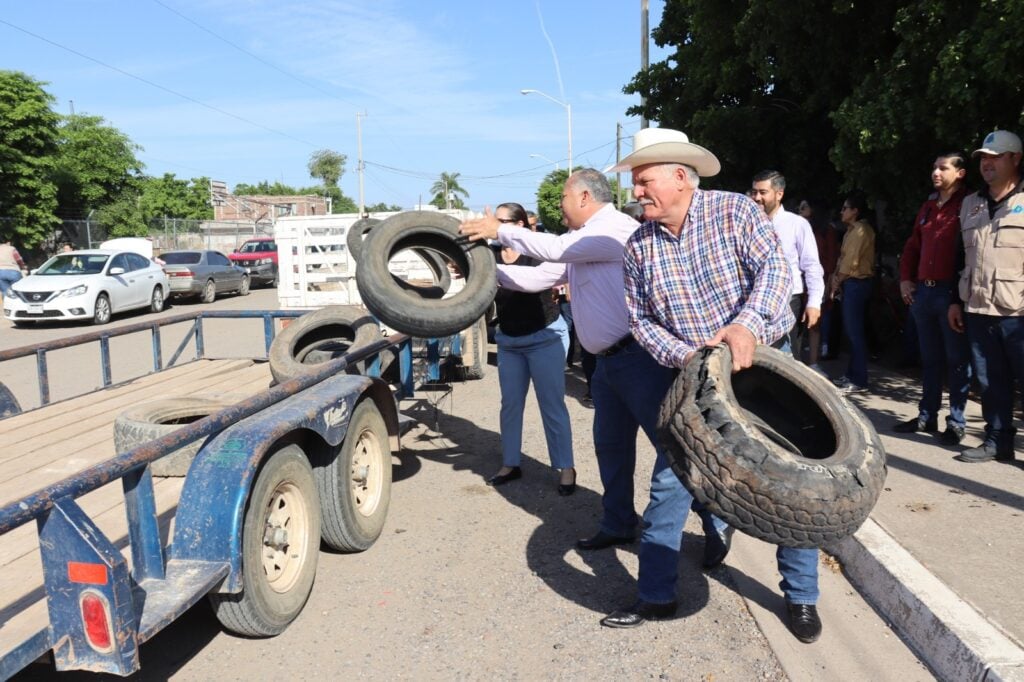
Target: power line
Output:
[(157, 85), (255, 56)]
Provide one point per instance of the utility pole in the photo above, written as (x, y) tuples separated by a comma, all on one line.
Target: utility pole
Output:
[(359, 164), (643, 55), (618, 158)]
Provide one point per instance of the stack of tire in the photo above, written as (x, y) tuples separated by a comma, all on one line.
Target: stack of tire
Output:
[(774, 450)]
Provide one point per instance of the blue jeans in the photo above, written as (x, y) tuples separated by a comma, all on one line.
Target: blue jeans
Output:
[(855, 301), (627, 389), (7, 278), (997, 351), (937, 340), (540, 357)]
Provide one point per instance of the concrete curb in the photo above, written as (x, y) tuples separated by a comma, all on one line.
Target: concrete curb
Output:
[(956, 641)]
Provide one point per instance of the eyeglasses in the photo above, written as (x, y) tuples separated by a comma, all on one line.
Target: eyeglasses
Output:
[(505, 221)]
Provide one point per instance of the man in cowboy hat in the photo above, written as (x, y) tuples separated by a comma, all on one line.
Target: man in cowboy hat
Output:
[(704, 268)]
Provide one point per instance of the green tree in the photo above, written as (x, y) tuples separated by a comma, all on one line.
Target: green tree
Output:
[(265, 188), (447, 191), (549, 201), (123, 216), (381, 207), (28, 141), (327, 166), (95, 165), (172, 197)]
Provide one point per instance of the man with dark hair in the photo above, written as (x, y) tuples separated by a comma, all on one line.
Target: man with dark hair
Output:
[(801, 251), (927, 277), (991, 290)]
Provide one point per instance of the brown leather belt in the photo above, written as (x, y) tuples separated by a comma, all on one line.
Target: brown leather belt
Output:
[(617, 346)]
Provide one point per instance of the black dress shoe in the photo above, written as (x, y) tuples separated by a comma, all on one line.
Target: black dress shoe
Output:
[(716, 546), (638, 614), (952, 435), (986, 452), (804, 621), (603, 540), (502, 479), (566, 489), (916, 424)]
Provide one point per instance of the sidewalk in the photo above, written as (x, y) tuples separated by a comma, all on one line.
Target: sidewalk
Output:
[(942, 556)]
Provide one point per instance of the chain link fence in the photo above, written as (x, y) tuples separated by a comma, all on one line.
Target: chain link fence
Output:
[(168, 234)]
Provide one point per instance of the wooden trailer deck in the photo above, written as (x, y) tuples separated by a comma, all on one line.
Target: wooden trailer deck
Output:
[(46, 445)]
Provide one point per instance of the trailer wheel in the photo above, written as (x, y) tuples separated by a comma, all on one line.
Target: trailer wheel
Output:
[(773, 450), (280, 546), (318, 337), (438, 267), (473, 363), (354, 482), (150, 420), (409, 311)]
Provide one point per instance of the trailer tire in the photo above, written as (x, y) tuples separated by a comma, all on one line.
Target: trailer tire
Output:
[(151, 420), (280, 548), (473, 363), (318, 337), (354, 482), (408, 311), (438, 267), (774, 450)]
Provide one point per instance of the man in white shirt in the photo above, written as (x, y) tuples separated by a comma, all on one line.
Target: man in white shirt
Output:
[(801, 251)]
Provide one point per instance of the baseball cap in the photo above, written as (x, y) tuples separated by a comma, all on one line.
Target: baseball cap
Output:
[(999, 142)]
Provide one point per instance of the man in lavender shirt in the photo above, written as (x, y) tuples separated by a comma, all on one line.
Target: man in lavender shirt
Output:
[(628, 384), (801, 251)]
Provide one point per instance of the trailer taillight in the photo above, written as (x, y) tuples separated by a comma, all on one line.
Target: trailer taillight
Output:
[(96, 620)]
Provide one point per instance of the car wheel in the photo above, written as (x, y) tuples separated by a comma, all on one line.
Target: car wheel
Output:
[(209, 294), (156, 304), (243, 289), (101, 313)]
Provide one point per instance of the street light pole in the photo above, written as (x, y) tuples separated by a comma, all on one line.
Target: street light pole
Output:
[(568, 111), (541, 156)]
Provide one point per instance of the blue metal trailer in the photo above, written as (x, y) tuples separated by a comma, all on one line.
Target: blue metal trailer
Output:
[(97, 562)]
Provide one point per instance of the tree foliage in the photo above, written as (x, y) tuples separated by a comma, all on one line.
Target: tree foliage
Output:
[(95, 165), (327, 166), (837, 95), (549, 201), (172, 197), (28, 142), (448, 192)]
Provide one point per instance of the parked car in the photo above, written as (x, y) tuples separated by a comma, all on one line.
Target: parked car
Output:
[(204, 274), (258, 256), (92, 283)]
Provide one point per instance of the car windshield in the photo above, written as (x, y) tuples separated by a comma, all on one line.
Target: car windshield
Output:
[(74, 264), (257, 247), (181, 258)]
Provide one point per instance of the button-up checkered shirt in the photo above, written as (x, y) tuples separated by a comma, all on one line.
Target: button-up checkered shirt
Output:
[(726, 267)]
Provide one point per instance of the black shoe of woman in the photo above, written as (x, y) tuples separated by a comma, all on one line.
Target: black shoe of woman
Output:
[(566, 489), (501, 479)]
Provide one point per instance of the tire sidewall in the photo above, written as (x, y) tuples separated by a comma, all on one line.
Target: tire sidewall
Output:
[(303, 332)]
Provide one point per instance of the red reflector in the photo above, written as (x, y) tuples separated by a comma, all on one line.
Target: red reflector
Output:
[(90, 574), (180, 274), (97, 621)]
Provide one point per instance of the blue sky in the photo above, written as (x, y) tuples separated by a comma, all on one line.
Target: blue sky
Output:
[(439, 82)]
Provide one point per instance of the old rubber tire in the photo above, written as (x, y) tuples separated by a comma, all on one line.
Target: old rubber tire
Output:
[(321, 335), (473, 362), (408, 311), (101, 312), (354, 482), (156, 301), (775, 450), (148, 421), (9, 405), (209, 294), (280, 548), (438, 267)]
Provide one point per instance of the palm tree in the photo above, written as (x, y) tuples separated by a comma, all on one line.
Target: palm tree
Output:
[(446, 191)]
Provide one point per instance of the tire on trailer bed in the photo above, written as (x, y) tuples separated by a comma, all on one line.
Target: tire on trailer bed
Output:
[(151, 420), (318, 337), (407, 310), (354, 482), (473, 341), (280, 548), (774, 450)]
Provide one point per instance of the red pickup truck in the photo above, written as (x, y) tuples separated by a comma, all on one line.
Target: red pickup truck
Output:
[(258, 256)]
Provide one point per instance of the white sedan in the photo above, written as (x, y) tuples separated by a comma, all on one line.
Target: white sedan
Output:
[(88, 284)]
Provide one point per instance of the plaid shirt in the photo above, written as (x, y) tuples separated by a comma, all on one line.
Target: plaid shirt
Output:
[(726, 267)]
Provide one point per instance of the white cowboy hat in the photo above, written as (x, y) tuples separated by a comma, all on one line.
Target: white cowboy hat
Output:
[(663, 145)]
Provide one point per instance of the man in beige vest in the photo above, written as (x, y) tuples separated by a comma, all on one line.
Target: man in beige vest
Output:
[(11, 266), (991, 291)]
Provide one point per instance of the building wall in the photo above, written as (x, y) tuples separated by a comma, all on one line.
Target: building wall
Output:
[(267, 208)]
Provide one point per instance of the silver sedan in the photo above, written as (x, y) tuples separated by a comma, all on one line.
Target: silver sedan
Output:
[(204, 274)]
